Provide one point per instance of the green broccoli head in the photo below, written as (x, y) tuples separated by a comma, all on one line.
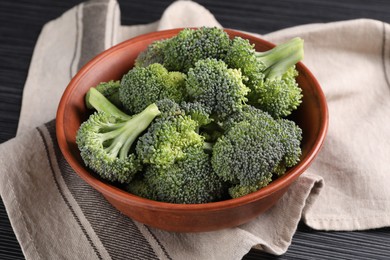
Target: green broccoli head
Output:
[(142, 86), (153, 54), (242, 55), (216, 87), (288, 132), (182, 51), (178, 169), (247, 113), (140, 187), (167, 140), (241, 190), (278, 96), (271, 75), (254, 147), (92, 139), (105, 139), (247, 152), (291, 138), (197, 112), (189, 180)]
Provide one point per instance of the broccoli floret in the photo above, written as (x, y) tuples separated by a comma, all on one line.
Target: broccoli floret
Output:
[(169, 137), (290, 137), (253, 147), (110, 90), (105, 139), (289, 132), (215, 86), (190, 45), (142, 86), (141, 188), (271, 75), (247, 152), (189, 180), (153, 54), (241, 190), (180, 52), (177, 167), (197, 112)]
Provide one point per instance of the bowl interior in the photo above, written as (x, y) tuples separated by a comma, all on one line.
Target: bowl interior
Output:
[(312, 115)]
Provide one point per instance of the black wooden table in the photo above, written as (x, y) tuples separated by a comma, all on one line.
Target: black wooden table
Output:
[(20, 25)]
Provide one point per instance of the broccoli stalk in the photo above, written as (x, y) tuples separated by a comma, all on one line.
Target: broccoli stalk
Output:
[(110, 90), (95, 99), (124, 134), (279, 59), (106, 138)]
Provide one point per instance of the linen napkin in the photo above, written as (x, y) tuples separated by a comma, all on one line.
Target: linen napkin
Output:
[(55, 215)]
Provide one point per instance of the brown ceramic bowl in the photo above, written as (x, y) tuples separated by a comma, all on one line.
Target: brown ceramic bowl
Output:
[(312, 117)]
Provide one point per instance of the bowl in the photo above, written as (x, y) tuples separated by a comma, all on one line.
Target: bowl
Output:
[(312, 117)]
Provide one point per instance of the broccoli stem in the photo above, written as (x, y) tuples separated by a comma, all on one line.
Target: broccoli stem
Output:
[(98, 101), (123, 135), (136, 126), (279, 59), (121, 139)]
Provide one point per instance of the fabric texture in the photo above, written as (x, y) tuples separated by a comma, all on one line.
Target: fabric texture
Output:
[(56, 215)]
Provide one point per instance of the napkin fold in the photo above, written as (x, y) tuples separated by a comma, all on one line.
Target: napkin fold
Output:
[(56, 215)]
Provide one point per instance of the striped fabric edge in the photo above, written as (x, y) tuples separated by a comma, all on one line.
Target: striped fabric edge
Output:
[(93, 239), (120, 236), (95, 29)]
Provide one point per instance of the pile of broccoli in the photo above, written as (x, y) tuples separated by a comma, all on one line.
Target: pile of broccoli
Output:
[(199, 118)]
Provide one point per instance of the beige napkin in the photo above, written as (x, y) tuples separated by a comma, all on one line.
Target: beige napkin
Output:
[(351, 60), (55, 215)]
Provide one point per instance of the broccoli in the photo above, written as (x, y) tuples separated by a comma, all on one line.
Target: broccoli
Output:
[(289, 132), (291, 137), (197, 112), (110, 90), (169, 136), (106, 138), (271, 75), (142, 86), (189, 180), (180, 52), (177, 169), (241, 190), (140, 187), (253, 148), (200, 117), (153, 54), (215, 86)]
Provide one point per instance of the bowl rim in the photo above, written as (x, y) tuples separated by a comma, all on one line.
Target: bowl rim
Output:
[(114, 192)]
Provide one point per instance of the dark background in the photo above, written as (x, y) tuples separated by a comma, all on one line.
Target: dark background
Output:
[(21, 22)]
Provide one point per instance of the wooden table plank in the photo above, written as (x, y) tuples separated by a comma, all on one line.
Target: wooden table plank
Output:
[(21, 22)]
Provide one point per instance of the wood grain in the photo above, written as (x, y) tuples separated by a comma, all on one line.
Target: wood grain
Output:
[(21, 22)]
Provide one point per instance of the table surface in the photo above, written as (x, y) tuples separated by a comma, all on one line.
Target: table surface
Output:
[(21, 22)]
